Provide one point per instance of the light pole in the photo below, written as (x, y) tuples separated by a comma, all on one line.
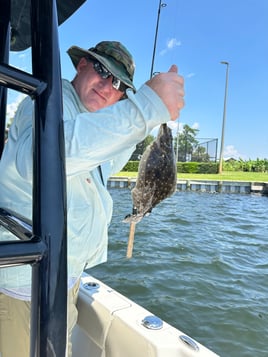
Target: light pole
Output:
[(224, 115), (156, 33), (177, 146)]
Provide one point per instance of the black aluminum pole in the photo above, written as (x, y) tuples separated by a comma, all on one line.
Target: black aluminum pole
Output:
[(4, 58), (21, 81), (49, 188)]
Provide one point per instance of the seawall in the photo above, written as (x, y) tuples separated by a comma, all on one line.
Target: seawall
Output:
[(242, 187)]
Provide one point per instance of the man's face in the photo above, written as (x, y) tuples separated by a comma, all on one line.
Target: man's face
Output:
[(94, 92)]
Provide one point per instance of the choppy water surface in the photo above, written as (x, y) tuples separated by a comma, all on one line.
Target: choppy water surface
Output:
[(200, 262)]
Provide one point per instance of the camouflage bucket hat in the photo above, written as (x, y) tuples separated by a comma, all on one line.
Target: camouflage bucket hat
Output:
[(113, 55)]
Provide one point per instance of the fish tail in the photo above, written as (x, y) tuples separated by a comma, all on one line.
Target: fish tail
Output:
[(132, 218)]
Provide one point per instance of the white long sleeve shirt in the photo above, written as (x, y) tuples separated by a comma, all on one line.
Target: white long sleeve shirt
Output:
[(107, 138)]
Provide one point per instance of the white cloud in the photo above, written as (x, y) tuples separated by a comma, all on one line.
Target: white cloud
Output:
[(190, 75), (170, 44), (231, 152), (12, 107), (175, 126), (173, 42), (21, 60), (22, 55), (195, 126)]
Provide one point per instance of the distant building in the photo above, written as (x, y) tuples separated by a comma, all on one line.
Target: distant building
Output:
[(230, 159)]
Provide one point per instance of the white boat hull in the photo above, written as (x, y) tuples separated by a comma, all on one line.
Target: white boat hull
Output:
[(111, 325)]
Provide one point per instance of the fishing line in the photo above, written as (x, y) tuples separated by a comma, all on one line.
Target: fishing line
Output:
[(138, 213), (174, 11)]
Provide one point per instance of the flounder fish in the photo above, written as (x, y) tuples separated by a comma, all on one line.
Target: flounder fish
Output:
[(157, 175)]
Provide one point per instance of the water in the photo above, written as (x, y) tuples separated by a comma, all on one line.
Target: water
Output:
[(200, 262)]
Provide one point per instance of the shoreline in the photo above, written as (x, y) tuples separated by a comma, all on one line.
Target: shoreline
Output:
[(212, 186)]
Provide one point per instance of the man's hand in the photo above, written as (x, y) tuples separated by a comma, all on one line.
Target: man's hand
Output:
[(170, 88)]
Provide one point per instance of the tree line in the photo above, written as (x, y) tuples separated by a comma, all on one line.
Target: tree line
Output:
[(189, 149)]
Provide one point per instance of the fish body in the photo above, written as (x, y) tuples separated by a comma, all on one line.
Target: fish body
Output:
[(157, 175)]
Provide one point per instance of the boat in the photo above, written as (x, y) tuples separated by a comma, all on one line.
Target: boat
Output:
[(109, 324)]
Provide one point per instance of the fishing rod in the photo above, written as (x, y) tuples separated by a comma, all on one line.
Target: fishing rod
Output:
[(156, 35)]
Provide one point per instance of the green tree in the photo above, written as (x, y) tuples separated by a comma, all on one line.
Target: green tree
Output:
[(186, 142), (200, 154), (140, 148)]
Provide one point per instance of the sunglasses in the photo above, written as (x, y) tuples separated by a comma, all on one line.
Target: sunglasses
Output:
[(104, 73)]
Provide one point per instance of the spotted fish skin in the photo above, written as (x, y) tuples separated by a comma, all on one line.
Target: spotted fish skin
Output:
[(157, 175)]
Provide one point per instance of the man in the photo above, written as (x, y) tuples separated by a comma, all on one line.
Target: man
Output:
[(99, 139)]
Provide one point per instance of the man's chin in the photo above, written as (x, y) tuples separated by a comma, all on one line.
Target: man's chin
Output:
[(93, 106)]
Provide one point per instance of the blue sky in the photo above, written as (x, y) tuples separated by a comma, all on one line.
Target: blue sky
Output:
[(197, 36)]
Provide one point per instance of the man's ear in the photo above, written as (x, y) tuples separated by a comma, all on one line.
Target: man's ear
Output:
[(81, 64)]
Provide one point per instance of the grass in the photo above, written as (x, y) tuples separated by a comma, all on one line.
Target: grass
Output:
[(225, 176)]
